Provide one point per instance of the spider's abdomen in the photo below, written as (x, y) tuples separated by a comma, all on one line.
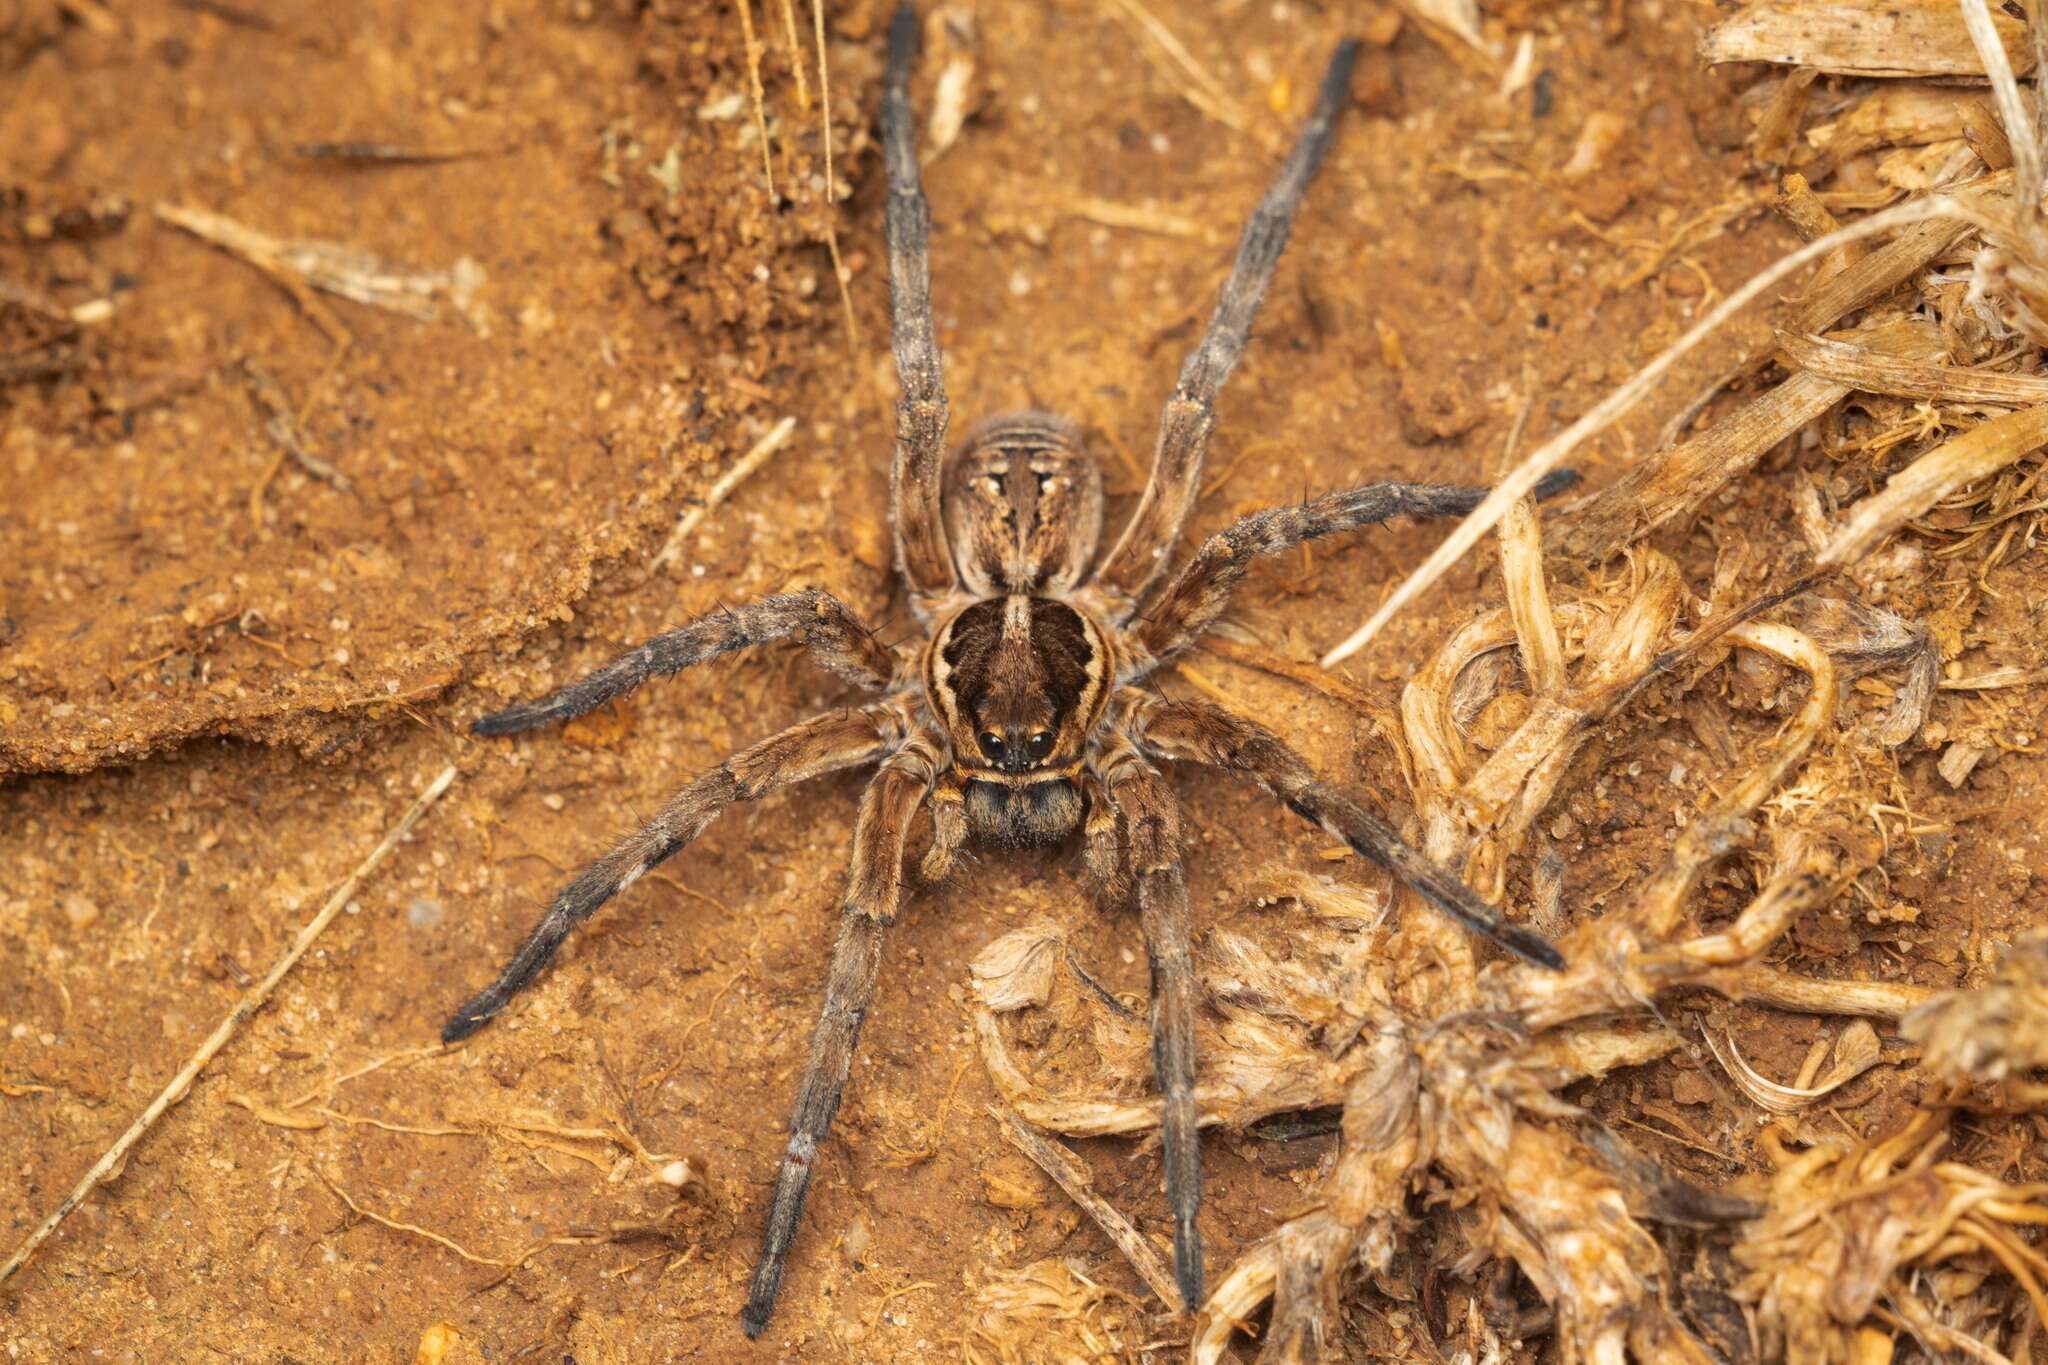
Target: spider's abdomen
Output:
[(1023, 506), (1033, 814)]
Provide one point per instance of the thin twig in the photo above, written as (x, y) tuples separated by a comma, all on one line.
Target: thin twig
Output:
[(777, 437), (1052, 1157), (250, 1002)]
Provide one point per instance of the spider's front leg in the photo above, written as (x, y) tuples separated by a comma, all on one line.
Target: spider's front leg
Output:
[(922, 412), (1138, 793), (1186, 608), (1202, 732), (841, 641), (1141, 552), (811, 748), (874, 887)]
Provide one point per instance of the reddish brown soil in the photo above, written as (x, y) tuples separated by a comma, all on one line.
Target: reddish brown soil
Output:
[(214, 699)]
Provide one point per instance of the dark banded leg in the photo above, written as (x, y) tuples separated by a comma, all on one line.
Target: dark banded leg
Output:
[(1200, 732), (873, 889), (809, 749), (839, 639), (1190, 604), (921, 412), (1152, 820), (1141, 553)]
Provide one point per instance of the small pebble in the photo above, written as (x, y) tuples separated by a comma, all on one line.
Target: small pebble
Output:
[(551, 801), (80, 911), (423, 913)]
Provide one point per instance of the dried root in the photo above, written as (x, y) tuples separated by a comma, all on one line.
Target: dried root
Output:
[(1448, 1075)]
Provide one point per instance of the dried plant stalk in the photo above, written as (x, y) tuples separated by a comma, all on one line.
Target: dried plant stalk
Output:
[(116, 1156), (332, 266), (1522, 479), (1678, 481), (1897, 115), (1073, 1178)]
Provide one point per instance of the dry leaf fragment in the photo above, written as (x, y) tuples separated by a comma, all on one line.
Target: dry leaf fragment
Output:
[(1899, 38), (1016, 970), (1856, 1051)]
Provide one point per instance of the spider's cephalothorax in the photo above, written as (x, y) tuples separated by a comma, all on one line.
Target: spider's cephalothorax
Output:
[(1025, 715)]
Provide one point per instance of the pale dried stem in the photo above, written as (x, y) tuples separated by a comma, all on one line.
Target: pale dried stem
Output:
[(1528, 595), (797, 64), (755, 98), (1869, 371), (2020, 131)]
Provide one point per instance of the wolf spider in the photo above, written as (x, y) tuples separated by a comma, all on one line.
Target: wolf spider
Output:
[(1021, 717)]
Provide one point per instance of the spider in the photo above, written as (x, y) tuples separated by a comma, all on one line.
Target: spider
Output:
[(1022, 717)]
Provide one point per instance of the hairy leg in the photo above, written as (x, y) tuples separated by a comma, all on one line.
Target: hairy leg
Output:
[(922, 412), (823, 744), (1102, 851), (949, 828), (841, 641), (1190, 604), (1141, 553), (1152, 819), (1201, 732), (874, 887)]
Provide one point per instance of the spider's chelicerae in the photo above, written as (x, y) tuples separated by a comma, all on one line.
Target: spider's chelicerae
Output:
[(1023, 715)]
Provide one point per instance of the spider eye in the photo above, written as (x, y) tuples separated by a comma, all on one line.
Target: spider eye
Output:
[(991, 743), (1041, 744)]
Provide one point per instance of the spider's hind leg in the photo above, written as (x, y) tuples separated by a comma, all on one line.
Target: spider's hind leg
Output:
[(874, 886)]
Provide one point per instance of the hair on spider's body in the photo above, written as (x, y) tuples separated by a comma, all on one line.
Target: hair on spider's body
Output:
[(1023, 719)]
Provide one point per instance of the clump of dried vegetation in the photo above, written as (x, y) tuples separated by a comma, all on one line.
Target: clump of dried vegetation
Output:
[(1906, 386)]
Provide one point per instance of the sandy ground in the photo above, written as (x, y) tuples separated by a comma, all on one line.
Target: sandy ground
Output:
[(222, 676)]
